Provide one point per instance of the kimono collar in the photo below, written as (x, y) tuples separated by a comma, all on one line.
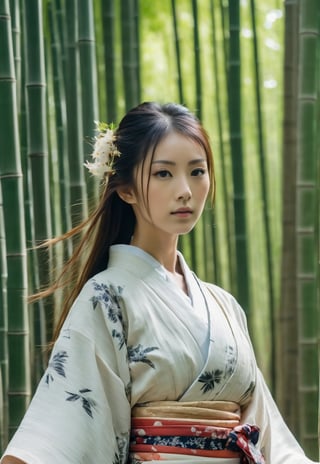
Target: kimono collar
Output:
[(138, 261)]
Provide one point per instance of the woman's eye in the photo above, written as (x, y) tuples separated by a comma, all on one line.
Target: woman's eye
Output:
[(163, 173), (198, 172)]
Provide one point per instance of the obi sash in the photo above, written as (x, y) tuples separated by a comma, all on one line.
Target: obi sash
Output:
[(199, 428)]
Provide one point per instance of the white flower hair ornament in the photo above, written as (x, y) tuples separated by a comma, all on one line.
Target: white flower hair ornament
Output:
[(104, 152)]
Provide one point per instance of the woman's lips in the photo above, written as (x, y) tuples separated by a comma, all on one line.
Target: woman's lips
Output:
[(182, 212)]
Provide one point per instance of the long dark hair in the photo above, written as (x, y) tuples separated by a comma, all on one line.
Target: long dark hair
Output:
[(113, 221)]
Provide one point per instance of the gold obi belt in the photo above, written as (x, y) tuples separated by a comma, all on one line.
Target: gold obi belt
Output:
[(197, 428)]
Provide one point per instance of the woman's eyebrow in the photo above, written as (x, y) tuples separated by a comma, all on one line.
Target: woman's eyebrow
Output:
[(172, 163), (163, 162), (198, 160)]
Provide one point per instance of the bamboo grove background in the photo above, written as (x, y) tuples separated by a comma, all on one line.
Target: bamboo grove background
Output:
[(250, 70)]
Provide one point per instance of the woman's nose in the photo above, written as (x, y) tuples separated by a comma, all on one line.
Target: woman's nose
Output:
[(184, 192)]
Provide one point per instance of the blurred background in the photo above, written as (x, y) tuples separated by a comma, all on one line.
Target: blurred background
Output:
[(250, 70)]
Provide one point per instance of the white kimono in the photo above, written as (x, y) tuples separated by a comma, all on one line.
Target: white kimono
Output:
[(132, 336)]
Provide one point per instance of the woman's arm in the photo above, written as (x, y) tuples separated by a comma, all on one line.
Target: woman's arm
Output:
[(12, 460), (74, 415)]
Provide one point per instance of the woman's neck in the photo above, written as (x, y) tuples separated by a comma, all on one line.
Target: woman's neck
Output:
[(163, 251)]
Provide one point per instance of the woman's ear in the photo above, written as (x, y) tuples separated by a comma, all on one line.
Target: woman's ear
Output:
[(127, 195)]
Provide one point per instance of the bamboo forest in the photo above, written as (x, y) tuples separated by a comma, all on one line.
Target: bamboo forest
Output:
[(250, 70)]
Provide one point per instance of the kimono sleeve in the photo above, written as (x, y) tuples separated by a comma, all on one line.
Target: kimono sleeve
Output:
[(80, 412), (278, 444)]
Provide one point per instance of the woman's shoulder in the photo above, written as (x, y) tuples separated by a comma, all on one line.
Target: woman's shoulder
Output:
[(111, 290), (220, 292), (98, 307), (110, 279), (229, 303)]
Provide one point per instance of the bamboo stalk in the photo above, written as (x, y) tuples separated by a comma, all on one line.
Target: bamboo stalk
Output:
[(16, 39), (13, 209), (58, 161), (287, 362), (136, 16), (177, 50), (234, 99), (2, 426), (221, 151), (196, 235), (109, 19), (59, 13), (37, 149), (307, 267), (74, 117), (59, 113), (224, 13), (129, 53), (4, 354), (318, 268), (89, 85), (201, 236), (197, 62), (264, 192), (36, 322), (184, 241), (60, 120)]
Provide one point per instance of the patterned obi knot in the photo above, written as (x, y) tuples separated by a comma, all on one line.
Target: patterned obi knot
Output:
[(208, 429), (244, 438)]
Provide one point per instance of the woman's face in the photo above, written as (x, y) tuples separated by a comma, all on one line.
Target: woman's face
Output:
[(170, 202)]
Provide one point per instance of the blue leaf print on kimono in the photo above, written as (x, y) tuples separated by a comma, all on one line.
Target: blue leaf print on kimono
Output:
[(116, 459), (123, 445), (231, 360), (139, 354), (209, 379), (56, 364), (87, 403), (110, 298), (128, 390)]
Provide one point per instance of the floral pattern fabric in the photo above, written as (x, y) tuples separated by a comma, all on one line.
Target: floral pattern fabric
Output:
[(132, 336)]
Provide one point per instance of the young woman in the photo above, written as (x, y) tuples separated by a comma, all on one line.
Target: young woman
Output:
[(149, 362)]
